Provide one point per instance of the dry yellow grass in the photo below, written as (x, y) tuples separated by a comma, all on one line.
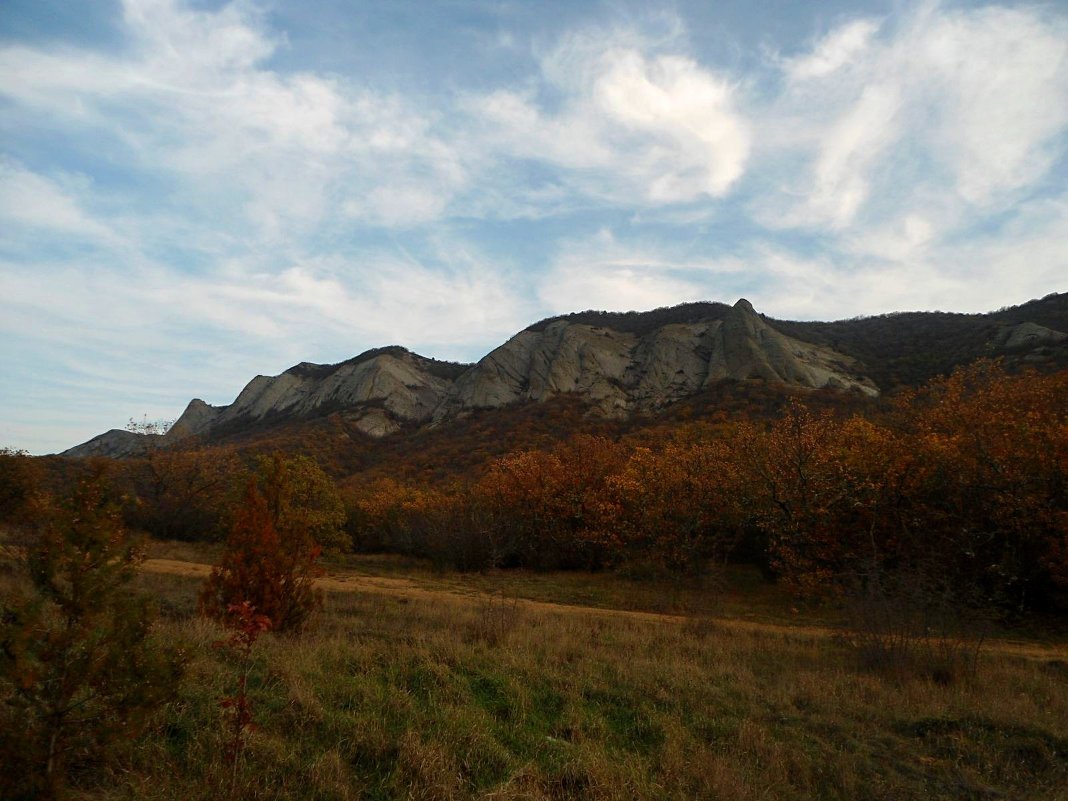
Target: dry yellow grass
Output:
[(447, 590), (424, 687)]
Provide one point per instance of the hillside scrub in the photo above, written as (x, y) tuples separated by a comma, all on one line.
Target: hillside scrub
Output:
[(260, 568), (966, 479)]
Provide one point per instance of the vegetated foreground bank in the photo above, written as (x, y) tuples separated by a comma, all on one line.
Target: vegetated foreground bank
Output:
[(401, 696)]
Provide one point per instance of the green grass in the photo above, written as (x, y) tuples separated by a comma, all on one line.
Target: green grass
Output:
[(389, 697)]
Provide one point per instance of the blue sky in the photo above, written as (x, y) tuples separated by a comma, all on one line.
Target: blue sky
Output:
[(192, 193)]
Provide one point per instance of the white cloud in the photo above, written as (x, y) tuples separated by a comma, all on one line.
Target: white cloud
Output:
[(1001, 80), (193, 97), (120, 340), (839, 48), (602, 272), (841, 175), (377, 299), (632, 124), (33, 201), (231, 216), (904, 269), (970, 105)]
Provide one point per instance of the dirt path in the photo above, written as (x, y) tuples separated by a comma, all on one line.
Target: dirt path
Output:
[(407, 588)]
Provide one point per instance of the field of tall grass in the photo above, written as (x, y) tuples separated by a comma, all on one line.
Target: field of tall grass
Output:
[(466, 690)]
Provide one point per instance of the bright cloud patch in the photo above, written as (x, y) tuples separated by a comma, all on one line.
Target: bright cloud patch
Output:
[(602, 272), (34, 202), (656, 126)]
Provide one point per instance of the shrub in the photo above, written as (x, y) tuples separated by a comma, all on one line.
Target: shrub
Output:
[(302, 500), (246, 626), (275, 577), (908, 623), (78, 671)]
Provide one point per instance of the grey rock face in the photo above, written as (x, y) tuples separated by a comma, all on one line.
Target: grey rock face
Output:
[(195, 420), (616, 371), (381, 389), (619, 372), (1032, 335), (399, 382), (747, 347), (538, 365), (115, 444)]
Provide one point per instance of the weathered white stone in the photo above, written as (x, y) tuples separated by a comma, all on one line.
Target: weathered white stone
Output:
[(197, 418), (376, 423), (1032, 335), (746, 347), (616, 371)]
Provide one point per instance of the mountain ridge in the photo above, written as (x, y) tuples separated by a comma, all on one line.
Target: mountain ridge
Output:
[(622, 363)]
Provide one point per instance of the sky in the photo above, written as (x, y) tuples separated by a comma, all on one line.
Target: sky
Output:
[(195, 192)]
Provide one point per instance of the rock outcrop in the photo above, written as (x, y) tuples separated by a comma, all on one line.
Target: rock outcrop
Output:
[(197, 418), (115, 444), (747, 347), (379, 390), (390, 386), (619, 372), (1030, 335)]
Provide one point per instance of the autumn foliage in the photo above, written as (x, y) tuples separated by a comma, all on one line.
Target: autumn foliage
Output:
[(964, 482), (274, 576), (246, 626)]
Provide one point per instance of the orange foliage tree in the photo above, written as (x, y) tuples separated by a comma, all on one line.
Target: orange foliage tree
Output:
[(995, 448), (680, 505), (450, 527), (275, 576), (547, 506), (964, 482), (183, 492), (828, 493)]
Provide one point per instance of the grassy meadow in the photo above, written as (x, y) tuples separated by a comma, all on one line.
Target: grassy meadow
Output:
[(412, 684)]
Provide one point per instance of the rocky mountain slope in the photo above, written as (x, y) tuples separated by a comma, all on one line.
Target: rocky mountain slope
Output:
[(384, 386), (623, 371), (621, 364)]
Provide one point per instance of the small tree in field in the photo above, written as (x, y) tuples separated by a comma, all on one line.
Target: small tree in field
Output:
[(303, 502), (246, 627), (78, 674), (275, 577)]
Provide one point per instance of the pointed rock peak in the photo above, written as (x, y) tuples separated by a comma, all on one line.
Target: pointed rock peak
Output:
[(744, 305), (196, 419)]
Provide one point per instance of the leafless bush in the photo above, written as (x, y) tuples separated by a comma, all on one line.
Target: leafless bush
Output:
[(908, 623), (496, 616)]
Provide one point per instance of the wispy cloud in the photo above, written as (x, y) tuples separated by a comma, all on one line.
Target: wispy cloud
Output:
[(608, 272), (203, 198), (947, 112), (194, 97), (33, 202), (630, 119)]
